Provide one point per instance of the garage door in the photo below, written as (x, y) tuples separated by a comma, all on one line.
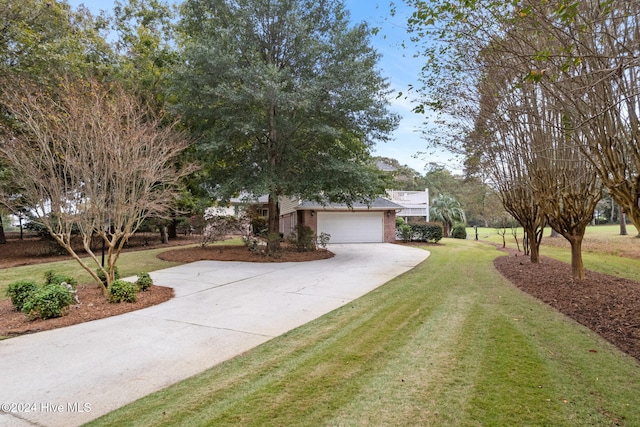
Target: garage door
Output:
[(352, 227)]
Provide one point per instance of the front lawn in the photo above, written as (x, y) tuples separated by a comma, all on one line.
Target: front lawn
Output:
[(449, 343)]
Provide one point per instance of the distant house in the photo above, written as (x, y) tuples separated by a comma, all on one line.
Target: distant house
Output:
[(243, 202), (415, 204)]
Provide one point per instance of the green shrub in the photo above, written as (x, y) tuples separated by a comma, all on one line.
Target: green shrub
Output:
[(20, 291), (48, 301), (144, 281), (102, 277), (50, 278), (459, 232), (427, 232), (405, 231), (123, 291), (304, 239)]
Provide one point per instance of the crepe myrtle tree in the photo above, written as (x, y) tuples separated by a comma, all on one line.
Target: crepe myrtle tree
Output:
[(90, 158), (286, 97), (584, 54)]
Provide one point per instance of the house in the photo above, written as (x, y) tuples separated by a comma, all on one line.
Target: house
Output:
[(415, 204), (244, 201), (361, 223)]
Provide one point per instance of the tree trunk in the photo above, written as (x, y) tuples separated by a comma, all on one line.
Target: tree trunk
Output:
[(164, 234), (533, 240), (273, 223), (623, 222), (534, 251), (3, 238), (577, 266), (173, 229)]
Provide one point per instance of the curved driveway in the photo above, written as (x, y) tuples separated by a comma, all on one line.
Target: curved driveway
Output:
[(71, 375)]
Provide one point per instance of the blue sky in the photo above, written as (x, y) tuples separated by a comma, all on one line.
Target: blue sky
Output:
[(397, 64)]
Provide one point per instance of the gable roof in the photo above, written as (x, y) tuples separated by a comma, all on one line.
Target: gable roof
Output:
[(378, 203)]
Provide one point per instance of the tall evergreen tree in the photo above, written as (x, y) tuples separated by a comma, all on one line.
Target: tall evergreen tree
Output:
[(286, 96)]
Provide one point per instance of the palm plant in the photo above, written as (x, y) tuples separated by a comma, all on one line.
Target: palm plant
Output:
[(448, 210)]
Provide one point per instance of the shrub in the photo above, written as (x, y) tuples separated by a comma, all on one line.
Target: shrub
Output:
[(427, 232), (304, 239), (405, 231), (50, 278), (259, 226), (20, 291), (123, 291), (459, 232), (144, 281), (48, 301), (102, 277)]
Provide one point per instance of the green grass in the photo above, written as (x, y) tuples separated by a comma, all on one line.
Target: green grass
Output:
[(601, 248), (129, 264), (449, 343)]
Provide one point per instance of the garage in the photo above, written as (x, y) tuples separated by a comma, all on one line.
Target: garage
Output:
[(352, 227)]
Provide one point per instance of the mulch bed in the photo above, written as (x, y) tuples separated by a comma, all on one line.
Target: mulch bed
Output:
[(607, 305), (240, 253), (93, 305)]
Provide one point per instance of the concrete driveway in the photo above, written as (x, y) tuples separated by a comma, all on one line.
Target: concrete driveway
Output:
[(72, 375)]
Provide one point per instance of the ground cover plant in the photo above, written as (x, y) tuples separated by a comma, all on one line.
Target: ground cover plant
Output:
[(451, 342)]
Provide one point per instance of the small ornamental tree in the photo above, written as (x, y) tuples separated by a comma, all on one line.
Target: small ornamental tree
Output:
[(89, 157), (218, 226)]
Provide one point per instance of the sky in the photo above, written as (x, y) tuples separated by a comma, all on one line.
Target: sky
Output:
[(397, 64)]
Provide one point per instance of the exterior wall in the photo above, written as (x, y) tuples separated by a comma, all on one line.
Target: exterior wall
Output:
[(306, 218), (390, 227), (288, 223), (287, 205)]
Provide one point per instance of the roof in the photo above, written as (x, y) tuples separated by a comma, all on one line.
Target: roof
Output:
[(245, 198), (378, 203)]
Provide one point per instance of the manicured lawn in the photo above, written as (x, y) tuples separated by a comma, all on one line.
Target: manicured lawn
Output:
[(449, 343), (604, 250), (129, 264)]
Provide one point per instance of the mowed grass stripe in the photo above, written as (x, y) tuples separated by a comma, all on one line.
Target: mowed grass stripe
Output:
[(448, 343)]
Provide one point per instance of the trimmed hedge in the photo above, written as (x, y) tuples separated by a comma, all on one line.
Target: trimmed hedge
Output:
[(427, 232)]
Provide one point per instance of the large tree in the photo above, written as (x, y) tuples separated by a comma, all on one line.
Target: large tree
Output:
[(286, 96), (90, 158), (585, 55), (43, 38)]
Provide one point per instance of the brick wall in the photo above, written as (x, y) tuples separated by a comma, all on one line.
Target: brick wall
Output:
[(390, 226)]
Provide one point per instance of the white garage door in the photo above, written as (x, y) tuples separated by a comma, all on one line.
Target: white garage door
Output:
[(352, 227)]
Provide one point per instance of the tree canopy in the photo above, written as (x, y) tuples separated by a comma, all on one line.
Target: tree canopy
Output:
[(286, 98), (91, 158)]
